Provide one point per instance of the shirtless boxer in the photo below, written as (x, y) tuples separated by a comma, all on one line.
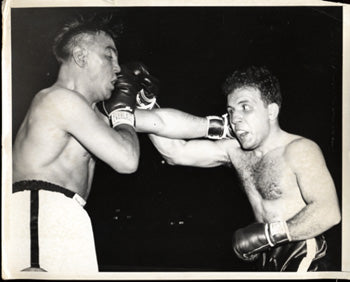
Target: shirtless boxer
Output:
[(285, 177), (55, 150)]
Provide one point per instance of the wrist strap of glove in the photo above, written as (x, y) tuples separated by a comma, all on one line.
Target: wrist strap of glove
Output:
[(228, 133), (143, 102), (277, 232), (122, 116), (215, 127), (218, 127)]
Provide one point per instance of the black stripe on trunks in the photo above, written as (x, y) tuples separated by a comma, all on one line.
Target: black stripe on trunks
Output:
[(34, 186)]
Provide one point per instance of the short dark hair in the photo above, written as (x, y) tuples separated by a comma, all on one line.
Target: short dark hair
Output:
[(77, 29), (257, 77)]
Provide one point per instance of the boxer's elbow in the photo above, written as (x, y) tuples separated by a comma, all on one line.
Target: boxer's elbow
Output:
[(334, 217), (127, 167), (132, 162), (177, 158), (331, 217), (127, 162), (171, 160), (130, 167), (173, 151)]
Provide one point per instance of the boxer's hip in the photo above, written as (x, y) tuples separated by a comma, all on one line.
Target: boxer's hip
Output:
[(49, 230), (300, 256), (37, 185)]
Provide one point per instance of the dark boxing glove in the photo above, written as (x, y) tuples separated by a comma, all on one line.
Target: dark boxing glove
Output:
[(219, 127), (253, 239), (147, 97), (120, 107)]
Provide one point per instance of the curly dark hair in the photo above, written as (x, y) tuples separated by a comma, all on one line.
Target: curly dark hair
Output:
[(257, 77), (76, 30)]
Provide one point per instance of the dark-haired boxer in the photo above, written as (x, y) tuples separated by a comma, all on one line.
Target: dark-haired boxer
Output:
[(56, 146), (285, 177)]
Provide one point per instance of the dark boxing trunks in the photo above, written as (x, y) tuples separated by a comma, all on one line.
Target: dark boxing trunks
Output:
[(300, 256)]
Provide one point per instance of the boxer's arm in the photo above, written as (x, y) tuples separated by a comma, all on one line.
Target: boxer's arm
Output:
[(118, 147), (198, 153), (171, 123), (317, 188)]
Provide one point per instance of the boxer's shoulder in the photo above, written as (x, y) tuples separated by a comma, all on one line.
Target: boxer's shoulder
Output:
[(301, 151), (300, 146), (57, 102), (55, 96)]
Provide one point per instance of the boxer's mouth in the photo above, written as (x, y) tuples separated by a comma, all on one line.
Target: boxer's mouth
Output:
[(241, 133)]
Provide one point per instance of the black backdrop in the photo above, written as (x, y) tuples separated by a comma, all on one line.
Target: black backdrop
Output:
[(181, 218)]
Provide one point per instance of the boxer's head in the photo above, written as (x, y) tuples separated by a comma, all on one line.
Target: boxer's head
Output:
[(253, 101), (80, 30), (259, 78), (87, 48)]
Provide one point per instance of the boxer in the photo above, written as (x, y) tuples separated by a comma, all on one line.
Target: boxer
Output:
[(284, 175), (55, 150)]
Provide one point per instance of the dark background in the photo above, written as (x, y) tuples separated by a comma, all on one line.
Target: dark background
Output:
[(182, 218)]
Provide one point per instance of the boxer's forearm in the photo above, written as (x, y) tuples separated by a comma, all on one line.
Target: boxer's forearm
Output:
[(313, 220), (129, 149), (171, 123)]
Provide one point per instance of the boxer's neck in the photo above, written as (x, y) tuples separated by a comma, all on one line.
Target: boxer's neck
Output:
[(71, 78)]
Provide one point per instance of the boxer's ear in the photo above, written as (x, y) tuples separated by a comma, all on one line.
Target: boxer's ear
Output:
[(273, 110), (80, 56)]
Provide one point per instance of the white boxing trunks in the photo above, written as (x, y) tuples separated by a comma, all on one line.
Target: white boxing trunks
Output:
[(49, 230)]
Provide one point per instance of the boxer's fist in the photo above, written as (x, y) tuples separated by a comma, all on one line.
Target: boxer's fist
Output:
[(147, 96), (124, 94), (249, 241), (121, 105), (219, 127)]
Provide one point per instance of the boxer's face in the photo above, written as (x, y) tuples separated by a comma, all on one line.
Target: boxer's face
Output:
[(249, 117), (102, 65)]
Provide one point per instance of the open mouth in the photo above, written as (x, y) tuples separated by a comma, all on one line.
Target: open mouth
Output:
[(241, 134)]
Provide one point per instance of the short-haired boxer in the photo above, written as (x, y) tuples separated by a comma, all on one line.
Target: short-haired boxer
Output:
[(285, 176), (56, 147)]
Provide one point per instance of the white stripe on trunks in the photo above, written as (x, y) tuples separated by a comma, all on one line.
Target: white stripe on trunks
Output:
[(310, 255), (79, 199)]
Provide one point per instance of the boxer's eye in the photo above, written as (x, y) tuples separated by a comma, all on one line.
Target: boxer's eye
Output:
[(246, 107)]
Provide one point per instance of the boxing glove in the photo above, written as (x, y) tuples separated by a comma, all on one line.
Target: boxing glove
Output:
[(219, 127), (147, 97), (253, 239), (121, 105)]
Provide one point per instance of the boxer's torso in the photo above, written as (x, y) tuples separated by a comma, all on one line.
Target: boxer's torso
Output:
[(270, 184), (44, 151)]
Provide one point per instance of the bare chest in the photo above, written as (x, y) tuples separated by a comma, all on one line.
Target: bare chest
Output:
[(268, 177)]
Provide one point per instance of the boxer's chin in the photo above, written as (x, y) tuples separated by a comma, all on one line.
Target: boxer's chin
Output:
[(247, 144), (108, 94)]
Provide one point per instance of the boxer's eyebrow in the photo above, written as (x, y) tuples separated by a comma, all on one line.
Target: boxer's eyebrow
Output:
[(246, 100), (113, 49), (243, 101)]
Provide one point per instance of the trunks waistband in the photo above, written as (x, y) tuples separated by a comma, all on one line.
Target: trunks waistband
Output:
[(35, 185)]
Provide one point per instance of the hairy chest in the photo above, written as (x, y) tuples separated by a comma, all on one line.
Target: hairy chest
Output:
[(268, 177)]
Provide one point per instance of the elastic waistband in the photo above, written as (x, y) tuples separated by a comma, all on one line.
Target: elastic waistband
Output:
[(35, 185)]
